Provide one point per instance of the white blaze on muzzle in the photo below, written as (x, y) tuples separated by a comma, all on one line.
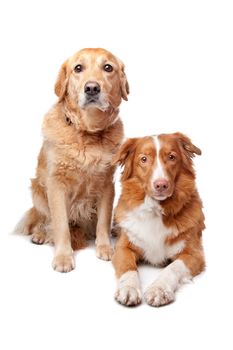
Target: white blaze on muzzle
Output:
[(159, 171)]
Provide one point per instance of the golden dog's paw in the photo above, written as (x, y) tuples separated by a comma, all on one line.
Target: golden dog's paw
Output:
[(104, 252), (63, 263), (128, 296), (38, 237), (158, 296)]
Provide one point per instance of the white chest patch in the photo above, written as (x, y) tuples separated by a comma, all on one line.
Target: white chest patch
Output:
[(145, 229)]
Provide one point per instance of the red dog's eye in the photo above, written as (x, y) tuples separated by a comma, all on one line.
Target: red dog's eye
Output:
[(171, 157), (143, 159)]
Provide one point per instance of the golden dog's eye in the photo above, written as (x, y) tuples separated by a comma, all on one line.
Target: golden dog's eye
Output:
[(78, 68), (108, 68), (144, 159), (171, 157)]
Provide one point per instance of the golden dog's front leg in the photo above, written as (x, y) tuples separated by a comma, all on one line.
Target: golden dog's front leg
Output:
[(104, 218), (63, 260)]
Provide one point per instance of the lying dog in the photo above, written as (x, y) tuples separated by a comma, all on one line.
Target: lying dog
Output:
[(159, 215), (73, 190)]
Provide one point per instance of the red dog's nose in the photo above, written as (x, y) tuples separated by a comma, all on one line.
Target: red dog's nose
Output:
[(161, 185)]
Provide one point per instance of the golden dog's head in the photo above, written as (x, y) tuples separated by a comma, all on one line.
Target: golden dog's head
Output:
[(93, 78)]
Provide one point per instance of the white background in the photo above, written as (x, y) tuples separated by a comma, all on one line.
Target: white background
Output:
[(179, 62)]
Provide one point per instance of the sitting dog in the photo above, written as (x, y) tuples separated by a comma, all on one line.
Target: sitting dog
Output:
[(159, 215), (73, 190)]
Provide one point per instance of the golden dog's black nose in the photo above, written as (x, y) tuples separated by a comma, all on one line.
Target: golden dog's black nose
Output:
[(92, 88)]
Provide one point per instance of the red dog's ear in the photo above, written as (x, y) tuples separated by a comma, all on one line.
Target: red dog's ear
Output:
[(124, 157), (61, 83), (187, 146), (124, 151)]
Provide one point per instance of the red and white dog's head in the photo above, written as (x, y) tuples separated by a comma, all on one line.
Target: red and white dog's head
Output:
[(157, 162)]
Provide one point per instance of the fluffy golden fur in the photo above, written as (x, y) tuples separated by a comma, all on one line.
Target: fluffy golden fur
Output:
[(160, 216), (73, 189)]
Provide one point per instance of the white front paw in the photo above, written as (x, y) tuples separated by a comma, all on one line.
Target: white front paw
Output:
[(156, 295), (128, 295)]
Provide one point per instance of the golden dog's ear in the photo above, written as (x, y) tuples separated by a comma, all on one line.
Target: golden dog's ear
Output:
[(123, 81), (61, 83), (125, 156), (187, 146)]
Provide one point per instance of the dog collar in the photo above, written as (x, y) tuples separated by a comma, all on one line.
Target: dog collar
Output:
[(68, 120)]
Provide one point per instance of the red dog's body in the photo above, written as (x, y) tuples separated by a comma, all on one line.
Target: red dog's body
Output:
[(159, 215)]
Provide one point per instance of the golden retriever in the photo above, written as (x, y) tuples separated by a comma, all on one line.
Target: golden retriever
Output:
[(73, 189)]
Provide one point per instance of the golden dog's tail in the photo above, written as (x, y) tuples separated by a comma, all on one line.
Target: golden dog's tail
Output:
[(29, 220), (32, 221)]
